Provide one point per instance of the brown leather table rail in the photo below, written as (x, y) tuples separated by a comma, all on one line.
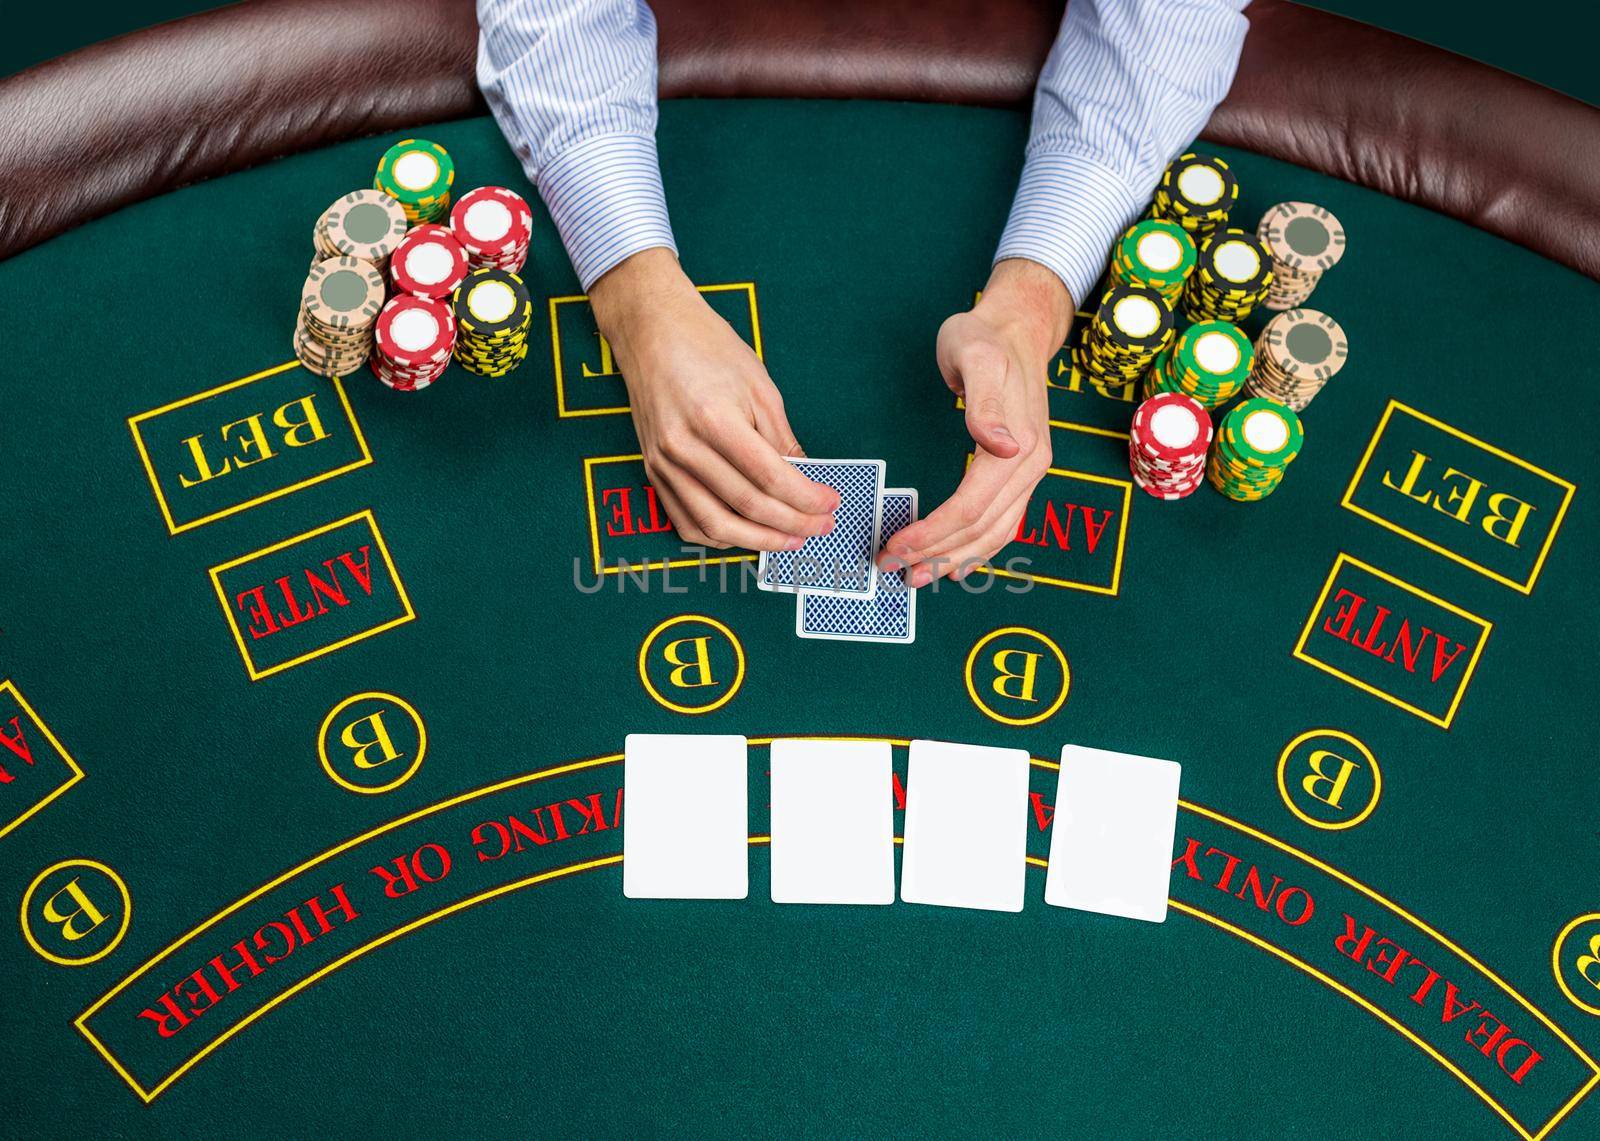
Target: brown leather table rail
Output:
[(148, 112)]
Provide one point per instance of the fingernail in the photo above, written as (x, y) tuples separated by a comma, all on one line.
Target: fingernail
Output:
[(794, 543), (889, 564), (922, 576), (827, 528), (1004, 433)]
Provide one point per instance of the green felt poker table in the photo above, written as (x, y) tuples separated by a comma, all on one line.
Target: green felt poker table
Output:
[(313, 694)]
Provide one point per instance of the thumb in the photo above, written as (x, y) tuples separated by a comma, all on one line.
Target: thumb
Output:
[(982, 369), (773, 425)]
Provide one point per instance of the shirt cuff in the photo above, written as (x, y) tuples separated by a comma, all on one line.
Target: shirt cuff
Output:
[(1067, 212), (605, 197)]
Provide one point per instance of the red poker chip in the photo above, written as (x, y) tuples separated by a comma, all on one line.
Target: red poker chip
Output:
[(390, 375), (1168, 484), (389, 371), (401, 383), (428, 262), (406, 383), (491, 221), (1171, 426), (509, 263), (1186, 485), (1155, 470), (415, 331), (1175, 481), (1170, 471), (1169, 494)]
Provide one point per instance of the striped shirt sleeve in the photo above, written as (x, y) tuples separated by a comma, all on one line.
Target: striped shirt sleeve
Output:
[(1128, 84), (572, 84)]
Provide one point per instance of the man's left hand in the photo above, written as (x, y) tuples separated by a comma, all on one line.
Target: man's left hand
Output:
[(994, 357)]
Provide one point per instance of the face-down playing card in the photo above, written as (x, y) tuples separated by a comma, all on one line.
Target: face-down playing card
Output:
[(890, 615), (838, 563)]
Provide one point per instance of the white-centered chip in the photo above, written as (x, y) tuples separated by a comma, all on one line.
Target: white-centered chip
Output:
[(1217, 352), (429, 263), (416, 170), (487, 220), (1266, 431), (414, 330), (491, 301), (1137, 316), (1237, 261), (1174, 426), (1201, 185), (1160, 251)]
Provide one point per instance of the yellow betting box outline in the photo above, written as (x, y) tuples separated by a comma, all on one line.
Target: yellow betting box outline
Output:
[(155, 483), (9, 686), (1348, 501), (383, 549), (1033, 861), (1466, 677), (1122, 537), (565, 413), (592, 462)]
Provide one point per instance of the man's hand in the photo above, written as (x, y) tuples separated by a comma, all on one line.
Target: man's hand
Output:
[(710, 421), (994, 357)]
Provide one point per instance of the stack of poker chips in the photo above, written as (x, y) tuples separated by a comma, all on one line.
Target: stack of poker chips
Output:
[(1304, 241), (1257, 441), (1231, 277), (418, 175), (1197, 192), (1167, 445), (340, 303), (429, 262), (1156, 254), (493, 313), (494, 226), (1209, 361), (363, 224), (1131, 326), (1297, 353), (413, 339)]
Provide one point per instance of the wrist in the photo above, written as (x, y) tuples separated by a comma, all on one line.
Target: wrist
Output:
[(1030, 302), (637, 290)]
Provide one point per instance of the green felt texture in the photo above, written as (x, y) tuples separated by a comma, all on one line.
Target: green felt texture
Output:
[(563, 1007)]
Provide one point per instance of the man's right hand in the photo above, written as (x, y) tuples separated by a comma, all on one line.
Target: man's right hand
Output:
[(710, 421)]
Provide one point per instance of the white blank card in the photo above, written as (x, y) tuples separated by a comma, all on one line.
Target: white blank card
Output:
[(1111, 839), (685, 817), (966, 826), (832, 822)]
